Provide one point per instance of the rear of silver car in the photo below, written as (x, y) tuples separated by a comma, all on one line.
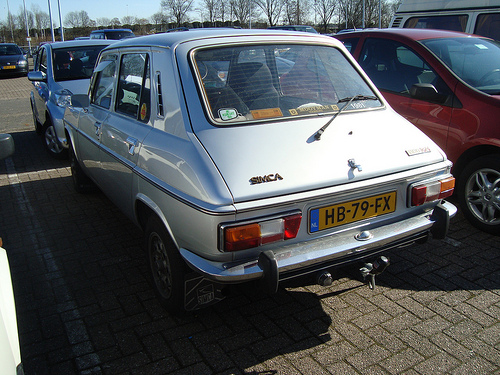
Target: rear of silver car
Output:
[(260, 155), (311, 190)]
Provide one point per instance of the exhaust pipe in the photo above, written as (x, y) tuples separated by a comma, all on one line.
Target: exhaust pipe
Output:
[(324, 279)]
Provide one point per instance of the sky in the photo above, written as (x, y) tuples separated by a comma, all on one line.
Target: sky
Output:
[(94, 8)]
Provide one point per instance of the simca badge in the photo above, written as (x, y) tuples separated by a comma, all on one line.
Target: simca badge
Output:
[(266, 178)]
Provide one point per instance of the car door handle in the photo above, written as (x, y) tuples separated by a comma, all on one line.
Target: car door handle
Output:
[(97, 126), (132, 144)]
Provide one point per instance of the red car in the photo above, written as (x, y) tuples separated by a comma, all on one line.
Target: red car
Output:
[(448, 85)]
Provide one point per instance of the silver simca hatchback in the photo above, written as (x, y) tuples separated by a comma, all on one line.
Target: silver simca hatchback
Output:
[(253, 155)]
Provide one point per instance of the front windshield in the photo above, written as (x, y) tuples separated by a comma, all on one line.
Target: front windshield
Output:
[(246, 83), (475, 60), (10, 50), (74, 63)]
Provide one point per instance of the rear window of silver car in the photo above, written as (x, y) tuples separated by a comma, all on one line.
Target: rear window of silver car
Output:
[(261, 82)]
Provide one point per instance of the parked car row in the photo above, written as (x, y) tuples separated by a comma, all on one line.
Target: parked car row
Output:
[(266, 155)]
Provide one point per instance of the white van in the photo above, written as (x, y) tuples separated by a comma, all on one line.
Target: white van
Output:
[(480, 17)]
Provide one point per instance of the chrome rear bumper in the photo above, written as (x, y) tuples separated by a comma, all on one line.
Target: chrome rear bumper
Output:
[(330, 251)]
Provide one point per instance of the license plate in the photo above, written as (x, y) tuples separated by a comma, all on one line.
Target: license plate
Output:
[(9, 67), (351, 211)]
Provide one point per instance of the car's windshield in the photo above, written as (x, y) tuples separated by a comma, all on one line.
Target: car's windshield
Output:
[(10, 50), (74, 63), (247, 83), (474, 60)]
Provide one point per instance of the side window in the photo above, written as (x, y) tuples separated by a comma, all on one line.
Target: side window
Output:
[(350, 43), (43, 60), (453, 22), (488, 24), (103, 83), (394, 67), (134, 86)]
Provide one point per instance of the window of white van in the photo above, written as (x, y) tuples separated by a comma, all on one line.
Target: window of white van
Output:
[(488, 24), (453, 22)]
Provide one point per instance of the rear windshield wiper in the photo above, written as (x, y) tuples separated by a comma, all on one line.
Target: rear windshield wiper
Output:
[(349, 100)]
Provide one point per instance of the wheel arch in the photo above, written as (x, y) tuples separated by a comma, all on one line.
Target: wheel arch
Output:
[(146, 208), (472, 154)]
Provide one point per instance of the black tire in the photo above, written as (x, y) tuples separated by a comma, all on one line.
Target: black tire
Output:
[(478, 190), (168, 269), (51, 143), (81, 182)]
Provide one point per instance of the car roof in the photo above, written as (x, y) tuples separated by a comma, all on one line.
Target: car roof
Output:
[(80, 43), (171, 39), (108, 30), (415, 34)]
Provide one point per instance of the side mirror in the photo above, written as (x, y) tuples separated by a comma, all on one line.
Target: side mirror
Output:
[(6, 146), (426, 91), (80, 100), (37, 76)]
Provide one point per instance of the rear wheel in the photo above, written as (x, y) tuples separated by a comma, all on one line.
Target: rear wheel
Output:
[(478, 191), (52, 143), (167, 266)]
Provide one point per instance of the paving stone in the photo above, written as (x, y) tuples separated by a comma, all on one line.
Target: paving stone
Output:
[(85, 304)]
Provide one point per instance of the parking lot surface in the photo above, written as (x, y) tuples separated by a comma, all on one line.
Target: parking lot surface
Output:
[(85, 303)]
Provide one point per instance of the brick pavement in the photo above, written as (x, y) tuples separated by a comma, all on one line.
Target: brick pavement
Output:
[(86, 306)]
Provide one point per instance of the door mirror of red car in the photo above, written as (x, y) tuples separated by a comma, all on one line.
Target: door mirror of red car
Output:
[(427, 91)]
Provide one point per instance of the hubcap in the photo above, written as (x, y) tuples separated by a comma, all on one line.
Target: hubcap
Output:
[(160, 266), (51, 140), (483, 195)]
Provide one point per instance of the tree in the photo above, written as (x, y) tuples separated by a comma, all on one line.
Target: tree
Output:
[(129, 20), (103, 21), (78, 19), (159, 18), (351, 12), (272, 10), (296, 11), (178, 9), (240, 10), (21, 19), (115, 22), (42, 20), (211, 10), (325, 10)]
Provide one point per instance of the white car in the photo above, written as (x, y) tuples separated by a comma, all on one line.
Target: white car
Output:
[(10, 355), (253, 155)]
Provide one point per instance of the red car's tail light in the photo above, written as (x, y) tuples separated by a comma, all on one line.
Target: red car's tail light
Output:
[(432, 191), (261, 233)]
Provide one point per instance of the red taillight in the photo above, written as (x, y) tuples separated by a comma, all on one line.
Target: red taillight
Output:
[(432, 191), (261, 233)]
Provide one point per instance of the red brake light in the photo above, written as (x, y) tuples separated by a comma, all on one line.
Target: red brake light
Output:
[(432, 191), (261, 233)]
